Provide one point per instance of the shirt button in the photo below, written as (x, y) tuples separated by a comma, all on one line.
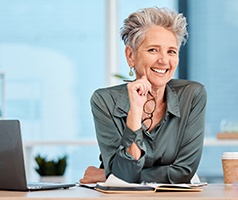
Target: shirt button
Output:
[(139, 142)]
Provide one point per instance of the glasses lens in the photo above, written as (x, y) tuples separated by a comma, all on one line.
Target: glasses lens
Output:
[(149, 109), (147, 123)]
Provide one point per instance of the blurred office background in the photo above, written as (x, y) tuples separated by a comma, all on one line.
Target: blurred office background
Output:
[(55, 53)]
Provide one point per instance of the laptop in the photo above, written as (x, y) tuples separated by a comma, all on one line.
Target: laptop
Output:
[(12, 169)]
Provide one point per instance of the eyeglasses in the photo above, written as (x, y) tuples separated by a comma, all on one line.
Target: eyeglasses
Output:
[(149, 112)]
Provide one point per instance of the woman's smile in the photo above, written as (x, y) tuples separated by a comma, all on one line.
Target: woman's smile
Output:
[(159, 71)]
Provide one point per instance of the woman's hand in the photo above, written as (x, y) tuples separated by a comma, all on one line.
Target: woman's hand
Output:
[(93, 175), (137, 92)]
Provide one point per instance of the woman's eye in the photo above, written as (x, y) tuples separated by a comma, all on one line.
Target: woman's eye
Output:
[(152, 50), (172, 52)]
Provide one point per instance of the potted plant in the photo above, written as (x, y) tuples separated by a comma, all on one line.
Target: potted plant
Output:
[(51, 169)]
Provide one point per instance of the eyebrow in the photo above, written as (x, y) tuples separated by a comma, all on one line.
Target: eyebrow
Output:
[(156, 45)]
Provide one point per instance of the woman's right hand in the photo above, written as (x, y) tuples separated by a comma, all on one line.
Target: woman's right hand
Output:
[(137, 92)]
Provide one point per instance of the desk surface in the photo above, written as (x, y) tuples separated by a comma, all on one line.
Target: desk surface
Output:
[(78, 142), (212, 191)]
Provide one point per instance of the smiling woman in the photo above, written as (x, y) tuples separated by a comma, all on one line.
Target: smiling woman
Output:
[(168, 147), (159, 56)]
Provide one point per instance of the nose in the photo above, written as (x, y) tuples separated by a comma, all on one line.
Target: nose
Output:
[(162, 59)]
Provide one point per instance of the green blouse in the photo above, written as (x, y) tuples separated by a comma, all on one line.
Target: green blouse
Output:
[(171, 151)]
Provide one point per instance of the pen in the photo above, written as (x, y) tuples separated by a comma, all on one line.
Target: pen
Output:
[(128, 81)]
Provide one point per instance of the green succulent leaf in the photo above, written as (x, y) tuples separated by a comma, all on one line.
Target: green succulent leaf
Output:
[(50, 167)]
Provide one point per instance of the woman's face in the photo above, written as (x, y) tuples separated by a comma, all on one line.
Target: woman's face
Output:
[(156, 57)]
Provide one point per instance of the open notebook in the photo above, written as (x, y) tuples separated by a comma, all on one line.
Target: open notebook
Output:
[(12, 169), (115, 185)]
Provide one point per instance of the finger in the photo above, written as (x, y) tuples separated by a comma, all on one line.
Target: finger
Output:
[(81, 180), (144, 88), (147, 83)]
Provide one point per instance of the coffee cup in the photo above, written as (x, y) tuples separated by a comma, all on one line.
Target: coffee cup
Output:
[(230, 167)]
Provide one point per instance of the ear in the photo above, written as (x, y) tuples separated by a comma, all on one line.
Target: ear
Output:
[(130, 56)]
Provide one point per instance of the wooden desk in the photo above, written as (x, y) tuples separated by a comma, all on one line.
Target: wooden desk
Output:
[(210, 192)]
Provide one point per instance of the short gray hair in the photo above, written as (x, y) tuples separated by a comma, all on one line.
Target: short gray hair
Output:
[(136, 25)]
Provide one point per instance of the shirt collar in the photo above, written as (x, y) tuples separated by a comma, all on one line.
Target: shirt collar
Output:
[(172, 101), (122, 103)]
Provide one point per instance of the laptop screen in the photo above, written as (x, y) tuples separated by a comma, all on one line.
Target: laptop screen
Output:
[(12, 171)]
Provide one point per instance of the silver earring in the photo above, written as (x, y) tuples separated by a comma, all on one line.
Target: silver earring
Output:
[(131, 73)]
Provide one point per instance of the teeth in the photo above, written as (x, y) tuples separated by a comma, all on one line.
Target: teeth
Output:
[(161, 71)]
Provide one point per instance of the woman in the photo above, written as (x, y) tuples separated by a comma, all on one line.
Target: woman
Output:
[(150, 129)]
